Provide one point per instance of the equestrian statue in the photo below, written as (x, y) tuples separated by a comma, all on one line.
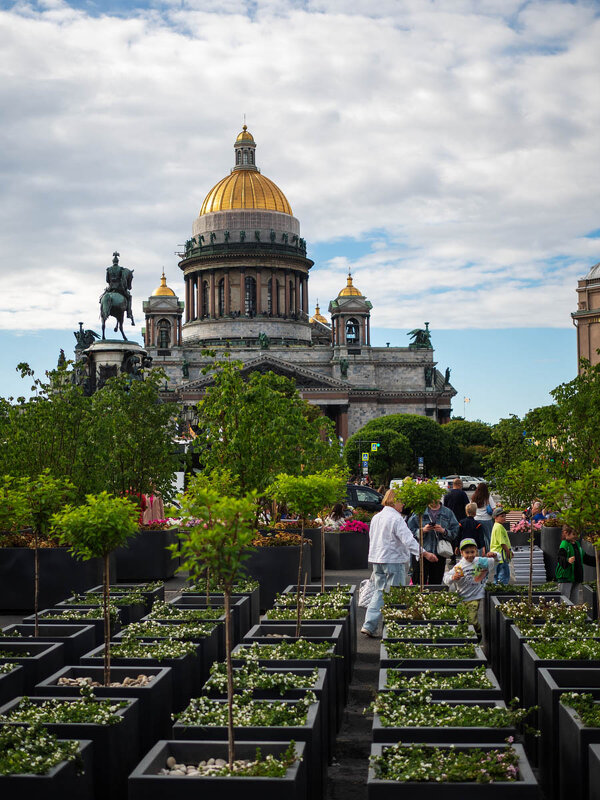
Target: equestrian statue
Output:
[(115, 301)]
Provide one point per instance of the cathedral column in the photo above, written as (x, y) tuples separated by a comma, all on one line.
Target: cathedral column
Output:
[(343, 423), (368, 342), (242, 292), (305, 294), (211, 294), (258, 291), (227, 303), (286, 295), (187, 300), (274, 298), (199, 309)]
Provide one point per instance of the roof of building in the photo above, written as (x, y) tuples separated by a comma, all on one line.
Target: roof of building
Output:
[(349, 290), (318, 317), (594, 273), (163, 290), (245, 188)]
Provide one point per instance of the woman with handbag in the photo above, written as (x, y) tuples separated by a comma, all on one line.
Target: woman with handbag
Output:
[(485, 508), (440, 530), (390, 548)]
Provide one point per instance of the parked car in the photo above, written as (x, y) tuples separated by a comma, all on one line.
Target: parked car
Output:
[(363, 497), (468, 482)]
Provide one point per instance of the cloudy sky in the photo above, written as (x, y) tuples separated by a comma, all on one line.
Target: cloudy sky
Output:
[(445, 151)]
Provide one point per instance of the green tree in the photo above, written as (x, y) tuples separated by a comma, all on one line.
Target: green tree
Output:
[(511, 445), (218, 541), (578, 503), (519, 487), (260, 426), (94, 530), (472, 444), (392, 459), (426, 437), (417, 496)]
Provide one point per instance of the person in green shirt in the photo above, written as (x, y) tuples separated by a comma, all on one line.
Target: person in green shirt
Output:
[(500, 543), (569, 569)]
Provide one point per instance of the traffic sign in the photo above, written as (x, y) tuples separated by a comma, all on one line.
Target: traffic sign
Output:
[(375, 446), (365, 470), (365, 456)]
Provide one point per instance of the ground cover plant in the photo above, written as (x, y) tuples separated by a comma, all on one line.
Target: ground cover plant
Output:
[(281, 651), (157, 650), (247, 711), (253, 676), (583, 703), (162, 610), (325, 612), (88, 708), (418, 762), (430, 679), (150, 628), (411, 650), (268, 766), (26, 750), (547, 609), (460, 630), (568, 649)]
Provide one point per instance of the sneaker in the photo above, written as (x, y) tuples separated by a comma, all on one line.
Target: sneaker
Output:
[(365, 632)]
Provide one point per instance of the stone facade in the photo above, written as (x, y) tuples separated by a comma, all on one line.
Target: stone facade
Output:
[(587, 317)]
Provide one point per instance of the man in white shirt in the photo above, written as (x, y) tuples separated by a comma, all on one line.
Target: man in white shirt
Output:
[(391, 545)]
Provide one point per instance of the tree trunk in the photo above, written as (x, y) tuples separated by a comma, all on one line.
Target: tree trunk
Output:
[(299, 581), (531, 540), (106, 607), (208, 588), (421, 564), (322, 558), (230, 738), (36, 584), (597, 552)]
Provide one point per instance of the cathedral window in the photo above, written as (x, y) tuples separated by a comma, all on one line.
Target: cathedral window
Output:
[(238, 157), (164, 334), (222, 297), (251, 154), (245, 156), (352, 332), (205, 308), (250, 297)]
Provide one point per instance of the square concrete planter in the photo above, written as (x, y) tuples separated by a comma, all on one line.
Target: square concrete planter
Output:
[(146, 784), (11, 684), (525, 788), (588, 594), (309, 733), (552, 682), (275, 568), (253, 600), (184, 671), (115, 747), (129, 613), (55, 616), (432, 663), (75, 639), (574, 739), (146, 558), (410, 633), (149, 594), (446, 694), (594, 771), (383, 733), (240, 609), (155, 700), (64, 780), (37, 659), (60, 574), (346, 550)]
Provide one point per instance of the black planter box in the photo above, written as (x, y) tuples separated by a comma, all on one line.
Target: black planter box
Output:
[(240, 609), (432, 663), (473, 735), (594, 771), (588, 594), (76, 639), (253, 600), (309, 733), (115, 747), (185, 670), (62, 781), (128, 613), (574, 739), (552, 682), (346, 550), (149, 595), (207, 648), (411, 633), (44, 659), (489, 623), (275, 568), (146, 784), (446, 694), (155, 701), (532, 663), (59, 574), (550, 539), (145, 557), (321, 690), (263, 634), (11, 684), (525, 788), (53, 616)]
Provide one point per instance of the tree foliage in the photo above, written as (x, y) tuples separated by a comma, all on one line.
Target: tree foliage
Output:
[(521, 485), (392, 459), (260, 426), (472, 445)]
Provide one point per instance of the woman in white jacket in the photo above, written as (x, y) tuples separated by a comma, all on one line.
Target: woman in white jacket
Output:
[(391, 545)]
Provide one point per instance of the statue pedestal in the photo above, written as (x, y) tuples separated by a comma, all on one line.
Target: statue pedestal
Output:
[(107, 358)]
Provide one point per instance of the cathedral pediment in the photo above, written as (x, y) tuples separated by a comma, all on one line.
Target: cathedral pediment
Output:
[(305, 377)]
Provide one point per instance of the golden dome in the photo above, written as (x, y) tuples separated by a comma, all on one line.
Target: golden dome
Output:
[(318, 317), (245, 189), (245, 135), (163, 290), (349, 290)]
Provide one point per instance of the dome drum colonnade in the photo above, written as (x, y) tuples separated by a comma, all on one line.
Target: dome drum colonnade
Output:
[(245, 260)]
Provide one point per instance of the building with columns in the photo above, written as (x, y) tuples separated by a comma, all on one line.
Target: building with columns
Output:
[(587, 317), (246, 275)]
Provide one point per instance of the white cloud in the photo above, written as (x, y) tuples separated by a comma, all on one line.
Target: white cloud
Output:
[(462, 143)]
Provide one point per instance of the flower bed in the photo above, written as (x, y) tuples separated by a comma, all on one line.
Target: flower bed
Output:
[(410, 650), (247, 711), (478, 683), (252, 676), (429, 631), (34, 751)]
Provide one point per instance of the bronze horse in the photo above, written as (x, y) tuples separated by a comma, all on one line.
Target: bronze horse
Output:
[(115, 302)]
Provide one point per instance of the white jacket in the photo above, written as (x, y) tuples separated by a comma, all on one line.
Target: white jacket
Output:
[(390, 540)]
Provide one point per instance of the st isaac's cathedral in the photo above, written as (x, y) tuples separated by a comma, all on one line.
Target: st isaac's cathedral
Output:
[(246, 274)]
